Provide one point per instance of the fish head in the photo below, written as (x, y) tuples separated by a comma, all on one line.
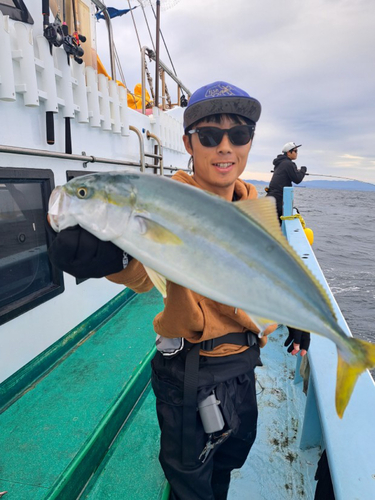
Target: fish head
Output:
[(95, 202)]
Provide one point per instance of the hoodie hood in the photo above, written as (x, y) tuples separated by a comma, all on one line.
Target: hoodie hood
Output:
[(244, 190), (280, 158)]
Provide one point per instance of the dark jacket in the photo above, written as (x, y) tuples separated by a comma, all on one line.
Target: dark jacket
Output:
[(285, 172)]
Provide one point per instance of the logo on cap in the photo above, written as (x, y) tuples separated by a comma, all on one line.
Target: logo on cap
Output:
[(220, 90)]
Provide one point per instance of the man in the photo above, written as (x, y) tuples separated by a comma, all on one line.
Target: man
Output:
[(285, 172), (207, 352)]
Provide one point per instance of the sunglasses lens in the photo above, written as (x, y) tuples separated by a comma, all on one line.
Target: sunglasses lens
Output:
[(239, 136), (210, 137)]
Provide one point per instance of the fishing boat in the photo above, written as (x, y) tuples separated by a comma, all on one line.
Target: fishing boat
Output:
[(77, 414)]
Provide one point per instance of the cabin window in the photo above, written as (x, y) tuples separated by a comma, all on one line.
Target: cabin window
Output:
[(16, 10), (27, 278)]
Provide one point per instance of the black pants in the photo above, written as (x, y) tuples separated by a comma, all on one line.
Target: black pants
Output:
[(233, 379), (279, 202)]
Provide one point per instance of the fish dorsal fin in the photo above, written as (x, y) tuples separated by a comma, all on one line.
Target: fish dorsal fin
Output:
[(158, 280), (263, 210), (155, 231)]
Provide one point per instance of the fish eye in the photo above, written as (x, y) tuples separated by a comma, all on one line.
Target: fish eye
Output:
[(82, 192)]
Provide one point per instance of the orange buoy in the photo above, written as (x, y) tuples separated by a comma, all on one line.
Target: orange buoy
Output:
[(309, 235)]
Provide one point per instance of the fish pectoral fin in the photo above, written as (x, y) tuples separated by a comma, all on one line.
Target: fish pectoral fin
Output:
[(261, 323), (348, 373), (156, 232), (158, 280)]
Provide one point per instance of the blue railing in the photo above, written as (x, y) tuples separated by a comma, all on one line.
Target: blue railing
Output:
[(349, 442)]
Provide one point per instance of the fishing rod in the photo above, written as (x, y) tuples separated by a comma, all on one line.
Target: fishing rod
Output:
[(76, 35), (52, 34), (337, 177), (71, 43), (340, 177), (72, 47)]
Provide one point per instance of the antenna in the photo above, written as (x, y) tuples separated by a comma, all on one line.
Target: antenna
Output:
[(163, 5)]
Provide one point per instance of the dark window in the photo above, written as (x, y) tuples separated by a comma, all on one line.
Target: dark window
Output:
[(27, 278), (71, 174), (16, 10)]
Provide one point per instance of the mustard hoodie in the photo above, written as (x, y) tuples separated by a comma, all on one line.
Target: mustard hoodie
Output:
[(186, 313)]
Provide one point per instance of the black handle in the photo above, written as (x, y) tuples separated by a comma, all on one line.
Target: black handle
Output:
[(68, 137), (45, 8), (50, 127)]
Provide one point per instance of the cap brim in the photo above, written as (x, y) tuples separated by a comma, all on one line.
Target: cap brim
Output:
[(243, 106)]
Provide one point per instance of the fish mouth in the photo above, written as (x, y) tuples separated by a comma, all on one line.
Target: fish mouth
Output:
[(57, 205)]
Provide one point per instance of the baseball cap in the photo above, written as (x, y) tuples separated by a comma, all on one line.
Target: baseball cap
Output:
[(289, 146), (220, 98)]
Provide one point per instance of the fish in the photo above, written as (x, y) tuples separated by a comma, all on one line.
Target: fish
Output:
[(231, 252)]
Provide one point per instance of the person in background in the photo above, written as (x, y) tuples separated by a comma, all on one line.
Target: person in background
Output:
[(285, 172), (206, 352)]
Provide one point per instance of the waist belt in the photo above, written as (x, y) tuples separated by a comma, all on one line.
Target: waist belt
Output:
[(191, 384), (246, 339)]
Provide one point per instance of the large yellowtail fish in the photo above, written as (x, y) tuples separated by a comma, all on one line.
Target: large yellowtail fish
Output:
[(233, 253)]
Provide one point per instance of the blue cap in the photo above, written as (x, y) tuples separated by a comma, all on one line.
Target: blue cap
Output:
[(220, 98)]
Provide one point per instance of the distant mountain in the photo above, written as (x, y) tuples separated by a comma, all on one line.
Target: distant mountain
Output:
[(343, 185)]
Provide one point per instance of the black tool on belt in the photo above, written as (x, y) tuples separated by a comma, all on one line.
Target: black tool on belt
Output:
[(191, 385)]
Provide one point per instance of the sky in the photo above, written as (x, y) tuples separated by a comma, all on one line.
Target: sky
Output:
[(309, 62)]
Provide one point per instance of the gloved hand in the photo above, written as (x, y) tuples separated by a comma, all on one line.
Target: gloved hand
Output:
[(304, 169), (297, 341), (81, 254)]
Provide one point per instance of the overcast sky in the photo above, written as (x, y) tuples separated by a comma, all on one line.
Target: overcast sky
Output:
[(309, 62)]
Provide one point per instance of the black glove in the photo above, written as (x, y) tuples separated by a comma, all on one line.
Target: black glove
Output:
[(297, 337), (81, 254), (304, 169)]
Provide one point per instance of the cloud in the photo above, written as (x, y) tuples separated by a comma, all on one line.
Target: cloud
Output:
[(351, 157), (310, 63)]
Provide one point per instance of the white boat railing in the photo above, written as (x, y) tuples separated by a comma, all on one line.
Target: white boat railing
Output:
[(349, 442), (163, 69)]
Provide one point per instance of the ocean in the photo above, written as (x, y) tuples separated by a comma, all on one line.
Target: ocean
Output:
[(344, 244), (344, 234)]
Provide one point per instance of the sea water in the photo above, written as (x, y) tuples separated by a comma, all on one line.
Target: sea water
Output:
[(343, 223), (344, 244)]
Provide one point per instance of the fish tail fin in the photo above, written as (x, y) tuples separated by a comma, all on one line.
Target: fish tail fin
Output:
[(348, 373)]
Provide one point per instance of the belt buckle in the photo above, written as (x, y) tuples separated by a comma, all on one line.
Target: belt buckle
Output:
[(250, 338)]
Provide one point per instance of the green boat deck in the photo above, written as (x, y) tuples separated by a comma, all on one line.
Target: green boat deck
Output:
[(79, 421), (59, 420)]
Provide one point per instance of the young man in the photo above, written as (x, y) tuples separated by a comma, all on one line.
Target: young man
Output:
[(207, 352), (285, 172), (220, 348)]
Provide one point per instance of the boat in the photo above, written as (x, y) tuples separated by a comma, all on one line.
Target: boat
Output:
[(77, 413)]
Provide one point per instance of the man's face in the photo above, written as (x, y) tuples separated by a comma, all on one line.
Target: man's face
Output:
[(293, 154), (217, 168)]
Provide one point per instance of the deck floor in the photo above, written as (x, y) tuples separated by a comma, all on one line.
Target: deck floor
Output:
[(276, 468)]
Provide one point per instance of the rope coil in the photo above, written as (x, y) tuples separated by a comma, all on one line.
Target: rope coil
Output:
[(295, 216), (308, 232)]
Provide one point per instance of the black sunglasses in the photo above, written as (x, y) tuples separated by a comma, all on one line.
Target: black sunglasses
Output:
[(212, 136), (294, 151)]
